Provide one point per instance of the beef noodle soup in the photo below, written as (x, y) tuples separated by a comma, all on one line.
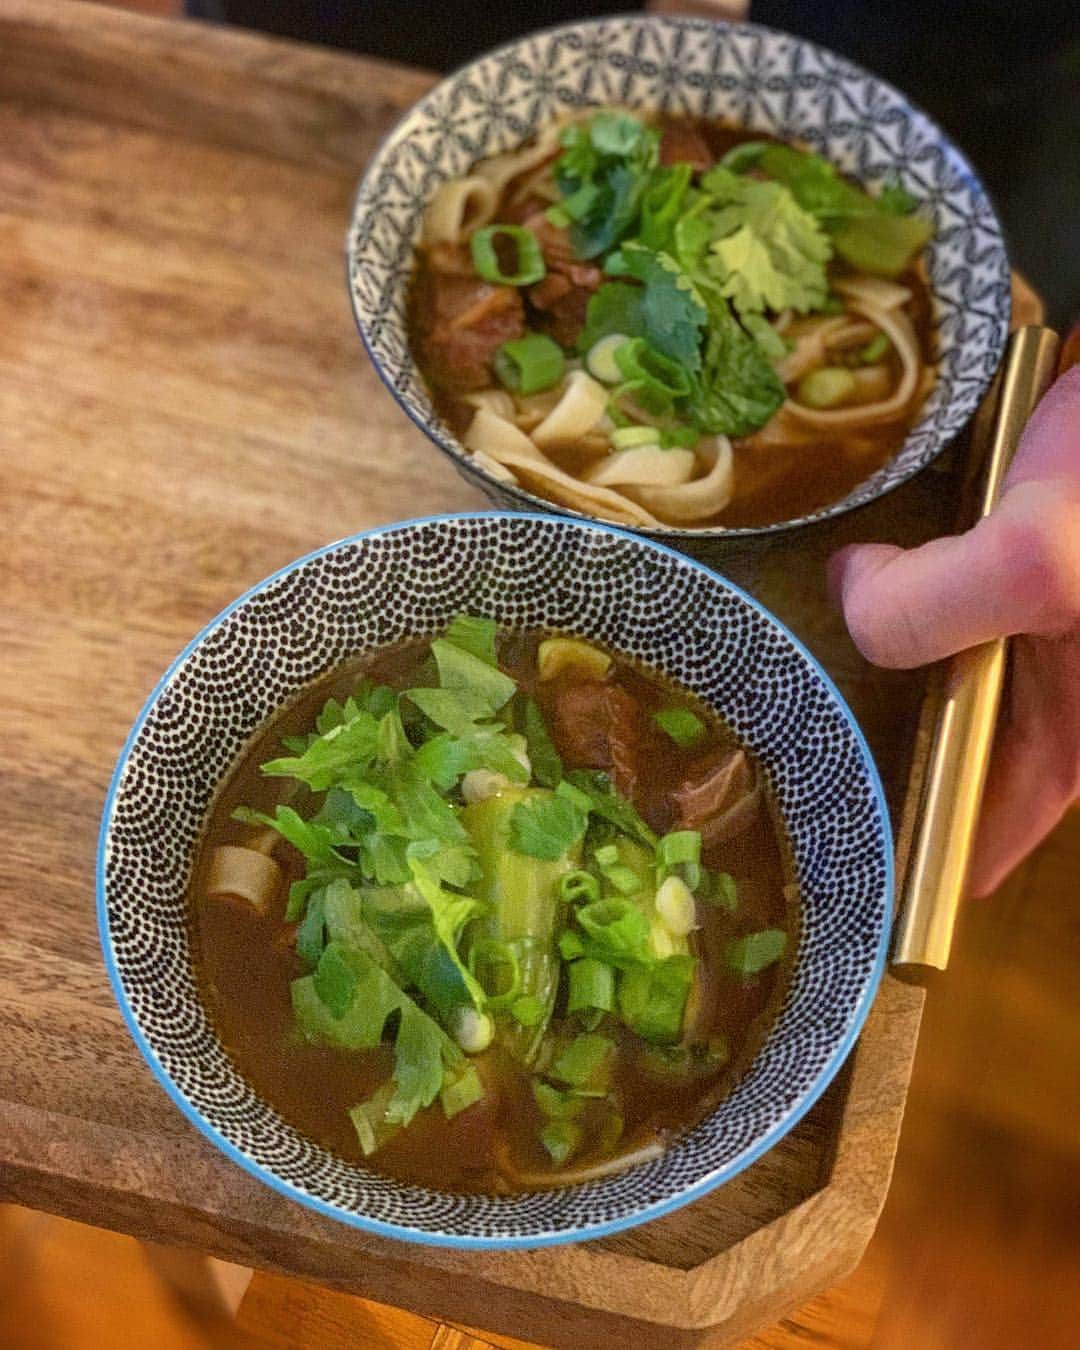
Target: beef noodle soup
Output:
[(494, 912), (679, 323)]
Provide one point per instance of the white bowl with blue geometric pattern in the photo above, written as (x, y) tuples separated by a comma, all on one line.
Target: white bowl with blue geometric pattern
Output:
[(738, 73), (408, 580)]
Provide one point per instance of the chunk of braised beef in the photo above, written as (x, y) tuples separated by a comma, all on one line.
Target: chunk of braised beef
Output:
[(720, 797), (562, 298), (599, 726), (681, 143), (460, 322)]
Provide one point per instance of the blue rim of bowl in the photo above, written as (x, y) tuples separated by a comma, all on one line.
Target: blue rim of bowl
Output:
[(533, 504), (401, 1232)]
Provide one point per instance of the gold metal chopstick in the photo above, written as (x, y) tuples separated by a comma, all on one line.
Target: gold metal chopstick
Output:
[(963, 733)]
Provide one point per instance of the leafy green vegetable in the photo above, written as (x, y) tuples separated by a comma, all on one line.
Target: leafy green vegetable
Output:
[(336, 979), (422, 1050), (766, 251), (546, 765), (602, 175), (455, 710), (369, 1119), (586, 1061), (876, 235), (673, 313), (650, 379), (346, 747), (752, 953), (683, 726), (474, 635), (592, 985), (661, 204), (461, 670), (738, 390), (610, 806), (546, 826), (462, 1090), (450, 912), (524, 908), (616, 307), (311, 935), (652, 999)]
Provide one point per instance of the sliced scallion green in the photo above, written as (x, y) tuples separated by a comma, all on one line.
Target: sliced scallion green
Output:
[(592, 985), (530, 364), (529, 258)]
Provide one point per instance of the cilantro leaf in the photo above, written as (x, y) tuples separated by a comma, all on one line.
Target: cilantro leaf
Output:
[(546, 827), (767, 252), (738, 390), (672, 311), (455, 710), (610, 806), (616, 307), (344, 747), (875, 234), (361, 1004), (602, 175)]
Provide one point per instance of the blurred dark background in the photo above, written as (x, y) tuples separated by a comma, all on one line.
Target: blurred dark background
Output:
[(1003, 79)]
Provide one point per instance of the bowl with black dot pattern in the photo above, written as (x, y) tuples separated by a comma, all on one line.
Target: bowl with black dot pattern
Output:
[(741, 74), (409, 580)]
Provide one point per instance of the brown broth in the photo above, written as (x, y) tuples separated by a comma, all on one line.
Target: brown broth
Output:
[(245, 963), (773, 483)]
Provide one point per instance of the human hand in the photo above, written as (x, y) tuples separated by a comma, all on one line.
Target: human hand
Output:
[(1015, 574)]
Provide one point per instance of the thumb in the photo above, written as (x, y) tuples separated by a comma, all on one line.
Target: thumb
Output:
[(1017, 571)]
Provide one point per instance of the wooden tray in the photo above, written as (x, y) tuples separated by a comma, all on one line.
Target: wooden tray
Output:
[(185, 407)]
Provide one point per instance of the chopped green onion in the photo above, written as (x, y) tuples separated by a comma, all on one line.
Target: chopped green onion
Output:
[(575, 887), (875, 349), (561, 1138), (652, 999), (585, 1061), (683, 726), (592, 985), (680, 852), (530, 364), (827, 387), (462, 1092), (628, 438), (625, 880), (491, 955), (600, 360), (606, 855), (557, 1105), (755, 951), (718, 888), (530, 259), (570, 945), (527, 1011)]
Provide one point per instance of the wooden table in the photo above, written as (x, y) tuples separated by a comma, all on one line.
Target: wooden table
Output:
[(185, 407)]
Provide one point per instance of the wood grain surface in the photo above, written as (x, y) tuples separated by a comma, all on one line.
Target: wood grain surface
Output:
[(185, 407)]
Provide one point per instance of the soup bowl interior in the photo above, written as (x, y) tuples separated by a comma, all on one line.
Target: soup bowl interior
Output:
[(741, 74), (529, 571)]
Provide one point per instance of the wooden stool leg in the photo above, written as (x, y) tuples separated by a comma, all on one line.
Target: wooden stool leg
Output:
[(208, 1288)]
